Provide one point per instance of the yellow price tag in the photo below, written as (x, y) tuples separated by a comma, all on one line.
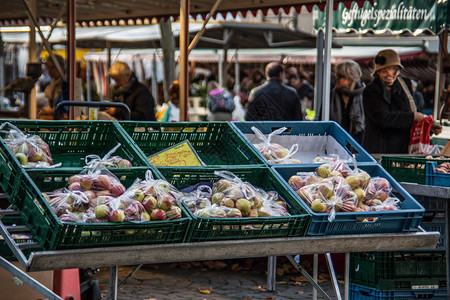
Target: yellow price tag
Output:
[(182, 154)]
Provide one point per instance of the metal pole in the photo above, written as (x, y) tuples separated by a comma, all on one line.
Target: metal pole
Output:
[(327, 62), (318, 82), (2, 70), (447, 241), (315, 273), (200, 33), (113, 280), (237, 71), (271, 273), (439, 84), (184, 74), (32, 103), (154, 80), (108, 65), (71, 49), (347, 276), (88, 81), (34, 284), (44, 41), (220, 68), (333, 276)]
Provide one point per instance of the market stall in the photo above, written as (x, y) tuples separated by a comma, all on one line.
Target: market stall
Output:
[(62, 237)]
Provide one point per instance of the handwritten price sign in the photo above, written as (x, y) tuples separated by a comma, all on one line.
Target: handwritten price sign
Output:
[(181, 154)]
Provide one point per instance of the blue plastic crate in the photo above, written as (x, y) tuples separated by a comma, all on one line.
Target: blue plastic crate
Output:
[(436, 178), (359, 292), (407, 219), (307, 128)]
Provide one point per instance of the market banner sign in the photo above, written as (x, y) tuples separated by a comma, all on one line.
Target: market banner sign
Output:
[(396, 16)]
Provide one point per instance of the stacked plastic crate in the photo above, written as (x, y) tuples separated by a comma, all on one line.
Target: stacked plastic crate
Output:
[(70, 142), (377, 275), (220, 148)]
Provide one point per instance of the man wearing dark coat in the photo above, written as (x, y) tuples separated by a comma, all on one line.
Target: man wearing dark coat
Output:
[(131, 92), (274, 101)]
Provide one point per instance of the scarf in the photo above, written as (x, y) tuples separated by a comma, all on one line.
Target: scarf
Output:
[(357, 119)]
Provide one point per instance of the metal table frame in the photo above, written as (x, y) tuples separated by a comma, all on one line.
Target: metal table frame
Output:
[(165, 253), (443, 194)]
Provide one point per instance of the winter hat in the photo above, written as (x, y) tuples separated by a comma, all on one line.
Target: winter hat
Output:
[(386, 58)]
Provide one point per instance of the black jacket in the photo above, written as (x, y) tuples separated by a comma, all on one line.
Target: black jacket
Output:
[(388, 118), (273, 101), (138, 98)]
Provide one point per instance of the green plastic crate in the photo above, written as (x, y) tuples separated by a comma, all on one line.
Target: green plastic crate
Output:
[(210, 229), (398, 270), (408, 168), (52, 234), (71, 141), (217, 143)]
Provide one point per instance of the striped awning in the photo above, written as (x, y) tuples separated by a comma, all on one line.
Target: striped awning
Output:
[(144, 12)]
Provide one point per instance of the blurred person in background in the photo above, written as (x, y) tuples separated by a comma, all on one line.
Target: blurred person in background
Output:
[(170, 111), (55, 92), (418, 96), (220, 102), (130, 91), (274, 101), (346, 101), (256, 79)]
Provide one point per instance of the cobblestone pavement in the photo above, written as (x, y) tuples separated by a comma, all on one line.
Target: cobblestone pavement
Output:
[(222, 280)]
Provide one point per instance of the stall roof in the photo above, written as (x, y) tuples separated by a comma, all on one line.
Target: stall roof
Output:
[(217, 35), (289, 55), (130, 12)]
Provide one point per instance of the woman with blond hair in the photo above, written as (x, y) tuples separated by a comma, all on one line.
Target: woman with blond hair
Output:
[(346, 103)]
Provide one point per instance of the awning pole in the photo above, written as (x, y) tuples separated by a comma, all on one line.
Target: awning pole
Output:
[(44, 41), (52, 27), (200, 33), (184, 74), (154, 80), (88, 80), (71, 48), (439, 84), (32, 103), (237, 77), (327, 62), (318, 82)]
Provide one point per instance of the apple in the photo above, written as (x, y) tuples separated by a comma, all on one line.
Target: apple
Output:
[(101, 211), (324, 170), (158, 215), (116, 216), (149, 203), (22, 158)]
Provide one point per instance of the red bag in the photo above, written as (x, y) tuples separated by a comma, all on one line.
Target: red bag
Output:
[(419, 140)]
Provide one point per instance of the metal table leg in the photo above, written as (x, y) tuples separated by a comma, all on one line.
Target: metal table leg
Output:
[(308, 277), (271, 273), (447, 249), (347, 276), (333, 276), (28, 280), (113, 279), (315, 273)]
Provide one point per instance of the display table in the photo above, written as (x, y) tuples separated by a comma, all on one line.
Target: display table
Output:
[(440, 193)]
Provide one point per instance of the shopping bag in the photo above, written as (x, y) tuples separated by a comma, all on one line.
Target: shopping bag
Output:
[(419, 141)]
